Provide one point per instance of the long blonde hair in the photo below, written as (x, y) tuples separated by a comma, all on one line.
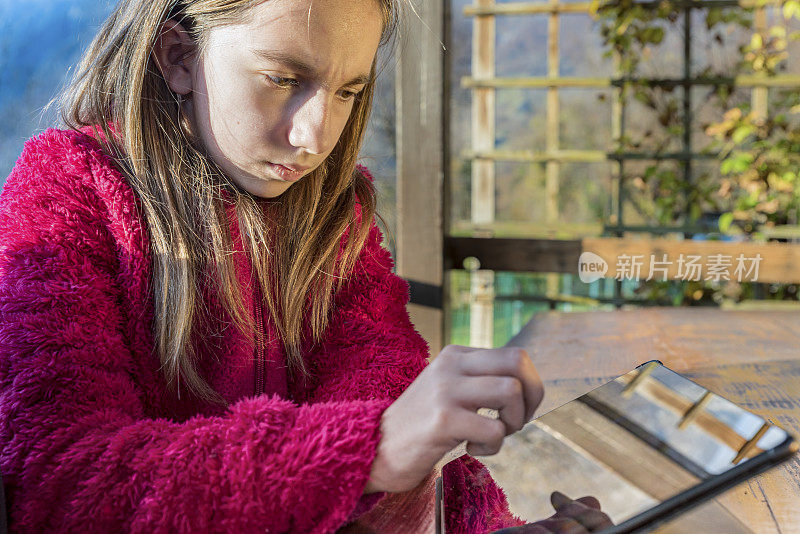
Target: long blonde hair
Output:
[(119, 91)]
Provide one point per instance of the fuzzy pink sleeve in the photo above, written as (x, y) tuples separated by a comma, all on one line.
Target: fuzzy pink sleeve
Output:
[(79, 452), (474, 504)]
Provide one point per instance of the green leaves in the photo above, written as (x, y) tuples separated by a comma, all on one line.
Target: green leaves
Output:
[(651, 35), (791, 9), (727, 15), (736, 163), (725, 221), (742, 132), (756, 181)]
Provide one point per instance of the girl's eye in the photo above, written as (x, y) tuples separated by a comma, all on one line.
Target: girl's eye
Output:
[(349, 95), (282, 82)]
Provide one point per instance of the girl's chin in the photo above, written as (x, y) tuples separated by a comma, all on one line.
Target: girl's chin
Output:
[(264, 186)]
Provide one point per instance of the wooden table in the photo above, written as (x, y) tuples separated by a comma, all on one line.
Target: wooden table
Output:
[(752, 358)]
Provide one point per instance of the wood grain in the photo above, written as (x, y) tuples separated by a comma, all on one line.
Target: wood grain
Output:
[(751, 358), (780, 262)]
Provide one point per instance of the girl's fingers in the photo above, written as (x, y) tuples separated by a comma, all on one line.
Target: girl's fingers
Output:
[(484, 436), (588, 517), (510, 361), (558, 500), (503, 393), (589, 501), (585, 510), (524, 529), (561, 525)]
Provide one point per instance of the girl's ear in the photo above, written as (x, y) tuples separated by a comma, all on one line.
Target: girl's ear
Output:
[(174, 52)]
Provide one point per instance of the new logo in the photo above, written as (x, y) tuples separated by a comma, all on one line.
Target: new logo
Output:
[(591, 267)]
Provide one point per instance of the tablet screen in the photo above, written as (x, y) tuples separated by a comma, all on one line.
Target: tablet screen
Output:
[(631, 443)]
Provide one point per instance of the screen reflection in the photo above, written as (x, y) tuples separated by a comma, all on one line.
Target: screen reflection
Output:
[(631, 443)]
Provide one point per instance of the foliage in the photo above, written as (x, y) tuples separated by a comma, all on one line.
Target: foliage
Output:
[(758, 150), (755, 185)]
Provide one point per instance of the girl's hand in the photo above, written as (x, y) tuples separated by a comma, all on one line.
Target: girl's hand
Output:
[(438, 411), (572, 517)]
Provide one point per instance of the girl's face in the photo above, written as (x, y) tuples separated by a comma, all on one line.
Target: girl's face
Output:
[(271, 96)]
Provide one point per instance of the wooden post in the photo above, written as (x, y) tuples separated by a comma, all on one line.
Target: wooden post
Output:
[(483, 172), (483, 117), (481, 307), (760, 95), (640, 377), (420, 168), (620, 94), (617, 127), (695, 410), (750, 444), (553, 167)]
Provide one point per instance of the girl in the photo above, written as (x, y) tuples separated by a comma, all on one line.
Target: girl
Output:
[(199, 328)]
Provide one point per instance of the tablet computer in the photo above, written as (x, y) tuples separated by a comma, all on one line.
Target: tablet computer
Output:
[(650, 445)]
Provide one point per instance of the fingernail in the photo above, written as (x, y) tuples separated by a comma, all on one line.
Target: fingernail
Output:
[(558, 499)]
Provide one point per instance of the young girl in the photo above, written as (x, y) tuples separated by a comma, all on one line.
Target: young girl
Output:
[(199, 328)]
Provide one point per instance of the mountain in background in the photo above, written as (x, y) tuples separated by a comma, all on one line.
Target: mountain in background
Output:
[(39, 41)]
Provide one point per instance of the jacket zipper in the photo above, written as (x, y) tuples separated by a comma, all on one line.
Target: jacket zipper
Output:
[(259, 344)]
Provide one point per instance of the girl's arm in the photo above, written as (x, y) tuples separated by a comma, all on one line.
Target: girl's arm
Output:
[(373, 351), (80, 451)]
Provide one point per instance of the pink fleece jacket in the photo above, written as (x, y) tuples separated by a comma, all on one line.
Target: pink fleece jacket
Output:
[(91, 439)]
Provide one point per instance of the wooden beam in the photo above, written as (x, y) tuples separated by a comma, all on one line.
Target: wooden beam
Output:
[(779, 263), (483, 117), (534, 82), (584, 156), (538, 8), (531, 156), (552, 134), (506, 254), (420, 163), (759, 99), (525, 8), (543, 82)]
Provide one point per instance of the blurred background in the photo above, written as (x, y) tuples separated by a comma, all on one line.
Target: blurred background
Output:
[(636, 121)]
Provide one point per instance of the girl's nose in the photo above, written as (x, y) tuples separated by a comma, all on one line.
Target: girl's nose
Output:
[(310, 128)]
